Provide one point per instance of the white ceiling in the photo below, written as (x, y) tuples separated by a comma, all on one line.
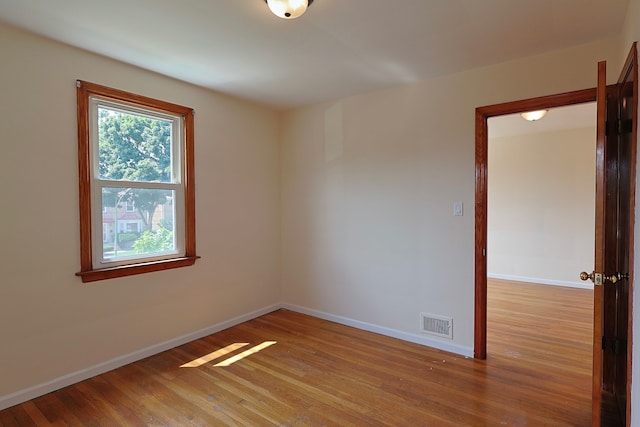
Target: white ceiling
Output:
[(338, 48)]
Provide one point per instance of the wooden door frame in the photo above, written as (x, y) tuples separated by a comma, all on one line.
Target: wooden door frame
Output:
[(482, 146), (631, 66)]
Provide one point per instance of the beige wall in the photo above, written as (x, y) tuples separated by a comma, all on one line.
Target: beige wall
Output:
[(369, 183), (51, 324), (541, 206)]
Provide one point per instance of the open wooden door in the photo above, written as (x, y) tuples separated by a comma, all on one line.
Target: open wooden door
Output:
[(613, 261)]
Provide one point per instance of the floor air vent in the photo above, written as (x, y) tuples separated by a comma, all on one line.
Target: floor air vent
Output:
[(439, 326)]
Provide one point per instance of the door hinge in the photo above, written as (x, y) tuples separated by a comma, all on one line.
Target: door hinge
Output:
[(617, 346), (624, 126), (619, 127)]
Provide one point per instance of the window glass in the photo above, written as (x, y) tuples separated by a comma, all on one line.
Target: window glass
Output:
[(133, 147), (147, 230)]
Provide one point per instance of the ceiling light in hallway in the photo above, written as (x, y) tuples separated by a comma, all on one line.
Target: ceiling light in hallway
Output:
[(532, 116)]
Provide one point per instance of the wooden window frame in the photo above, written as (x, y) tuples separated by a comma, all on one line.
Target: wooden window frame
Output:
[(88, 273)]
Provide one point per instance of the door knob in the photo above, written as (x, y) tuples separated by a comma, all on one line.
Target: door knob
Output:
[(599, 278), (596, 278)]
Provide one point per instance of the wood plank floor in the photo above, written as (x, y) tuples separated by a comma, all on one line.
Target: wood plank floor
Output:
[(311, 372)]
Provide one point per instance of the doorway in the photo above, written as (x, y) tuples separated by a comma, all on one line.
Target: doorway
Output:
[(482, 115), (540, 218)]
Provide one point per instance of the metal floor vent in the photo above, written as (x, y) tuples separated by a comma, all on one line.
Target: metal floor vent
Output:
[(440, 326)]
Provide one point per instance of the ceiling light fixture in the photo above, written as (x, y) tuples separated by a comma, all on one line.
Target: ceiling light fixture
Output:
[(532, 116), (288, 9)]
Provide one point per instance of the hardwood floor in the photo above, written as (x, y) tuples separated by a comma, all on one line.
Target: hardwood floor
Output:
[(312, 372), (547, 332)]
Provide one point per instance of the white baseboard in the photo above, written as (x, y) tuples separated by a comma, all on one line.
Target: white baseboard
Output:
[(83, 374), (580, 285), (405, 336)]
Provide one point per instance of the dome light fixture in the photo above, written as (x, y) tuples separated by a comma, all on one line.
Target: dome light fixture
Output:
[(288, 9), (532, 116)]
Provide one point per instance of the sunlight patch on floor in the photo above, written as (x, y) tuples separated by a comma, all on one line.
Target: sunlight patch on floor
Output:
[(227, 350), (245, 353), (214, 355)]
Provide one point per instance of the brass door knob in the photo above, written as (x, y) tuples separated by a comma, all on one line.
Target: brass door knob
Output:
[(596, 278), (584, 276)]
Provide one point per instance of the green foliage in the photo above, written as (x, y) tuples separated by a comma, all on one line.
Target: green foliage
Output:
[(126, 240), (127, 237), (134, 148), (159, 240)]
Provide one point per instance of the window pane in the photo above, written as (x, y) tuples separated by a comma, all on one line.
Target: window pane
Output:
[(133, 147), (146, 230)]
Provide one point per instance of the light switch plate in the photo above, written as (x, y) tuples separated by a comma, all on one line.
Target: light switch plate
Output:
[(457, 209)]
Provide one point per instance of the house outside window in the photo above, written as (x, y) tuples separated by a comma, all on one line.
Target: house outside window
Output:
[(136, 183)]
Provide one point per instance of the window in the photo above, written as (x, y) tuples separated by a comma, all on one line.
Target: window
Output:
[(137, 195)]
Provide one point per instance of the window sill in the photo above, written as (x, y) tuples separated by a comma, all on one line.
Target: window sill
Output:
[(133, 269)]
